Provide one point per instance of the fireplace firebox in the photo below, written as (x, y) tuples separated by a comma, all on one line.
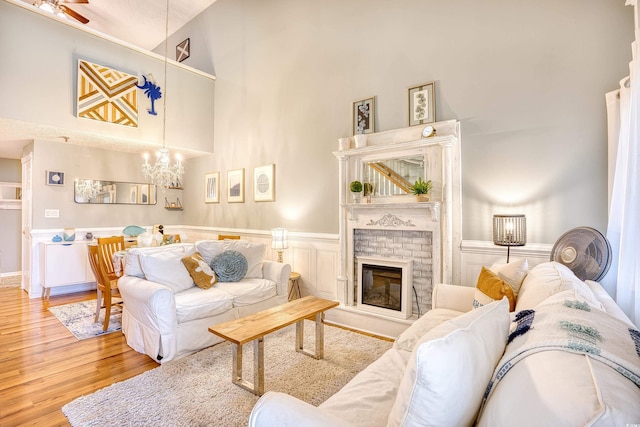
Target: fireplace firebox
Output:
[(384, 286)]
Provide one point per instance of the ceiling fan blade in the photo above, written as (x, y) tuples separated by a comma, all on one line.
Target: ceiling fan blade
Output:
[(76, 1), (72, 13)]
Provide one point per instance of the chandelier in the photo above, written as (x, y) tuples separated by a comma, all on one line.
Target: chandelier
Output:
[(87, 188), (162, 173)]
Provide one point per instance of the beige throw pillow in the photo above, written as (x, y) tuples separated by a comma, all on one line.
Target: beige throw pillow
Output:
[(203, 276), (513, 273), (253, 252)]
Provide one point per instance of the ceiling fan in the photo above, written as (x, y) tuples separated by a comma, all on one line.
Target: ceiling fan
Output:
[(59, 8)]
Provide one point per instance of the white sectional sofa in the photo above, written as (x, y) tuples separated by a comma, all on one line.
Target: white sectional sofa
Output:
[(573, 359), (166, 316)]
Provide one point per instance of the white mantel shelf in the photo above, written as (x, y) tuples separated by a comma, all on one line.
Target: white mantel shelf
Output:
[(353, 208), (383, 205), (407, 145)]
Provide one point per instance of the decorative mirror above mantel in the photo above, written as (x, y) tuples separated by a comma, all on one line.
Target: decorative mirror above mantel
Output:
[(392, 161), (393, 177), (90, 191)]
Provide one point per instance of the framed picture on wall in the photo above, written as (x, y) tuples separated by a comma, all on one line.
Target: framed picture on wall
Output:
[(264, 183), (235, 186), (212, 187), (362, 116), (422, 104), (55, 178)]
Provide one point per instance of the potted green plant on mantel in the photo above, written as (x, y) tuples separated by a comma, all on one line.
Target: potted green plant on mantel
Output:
[(356, 190), (421, 189)]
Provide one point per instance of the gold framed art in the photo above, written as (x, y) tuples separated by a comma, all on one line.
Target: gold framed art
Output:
[(235, 186), (212, 187), (362, 116), (422, 104), (264, 183)]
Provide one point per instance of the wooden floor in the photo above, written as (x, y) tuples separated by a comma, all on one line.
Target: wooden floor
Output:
[(43, 366)]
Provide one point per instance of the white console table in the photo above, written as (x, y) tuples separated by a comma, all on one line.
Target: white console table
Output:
[(62, 264)]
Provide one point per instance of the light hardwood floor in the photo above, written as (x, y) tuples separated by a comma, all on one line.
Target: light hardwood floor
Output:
[(43, 366)]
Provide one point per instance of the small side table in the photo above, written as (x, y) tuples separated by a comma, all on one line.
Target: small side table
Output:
[(294, 286)]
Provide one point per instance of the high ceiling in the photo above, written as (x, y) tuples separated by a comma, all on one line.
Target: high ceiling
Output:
[(140, 22)]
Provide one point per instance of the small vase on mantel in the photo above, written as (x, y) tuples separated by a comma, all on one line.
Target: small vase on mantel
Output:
[(360, 140), (344, 144), (422, 197)]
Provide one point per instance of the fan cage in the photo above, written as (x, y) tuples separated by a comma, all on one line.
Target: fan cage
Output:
[(587, 246)]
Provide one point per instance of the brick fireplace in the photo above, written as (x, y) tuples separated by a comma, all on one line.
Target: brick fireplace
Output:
[(396, 233), (388, 248)]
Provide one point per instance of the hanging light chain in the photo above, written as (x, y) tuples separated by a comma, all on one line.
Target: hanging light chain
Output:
[(163, 174)]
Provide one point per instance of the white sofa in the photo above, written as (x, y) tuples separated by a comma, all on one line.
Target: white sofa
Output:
[(166, 316), (438, 371)]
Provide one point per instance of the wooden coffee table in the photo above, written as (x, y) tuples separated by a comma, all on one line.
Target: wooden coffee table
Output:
[(254, 327)]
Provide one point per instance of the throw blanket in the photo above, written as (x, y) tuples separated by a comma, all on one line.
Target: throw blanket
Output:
[(575, 327)]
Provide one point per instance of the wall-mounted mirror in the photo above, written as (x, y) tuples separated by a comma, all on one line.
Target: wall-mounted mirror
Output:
[(92, 191), (390, 177)]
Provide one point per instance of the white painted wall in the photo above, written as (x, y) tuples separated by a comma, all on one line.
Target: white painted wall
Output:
[(10, 219), (525, 79), (39, 75), (92, 163)]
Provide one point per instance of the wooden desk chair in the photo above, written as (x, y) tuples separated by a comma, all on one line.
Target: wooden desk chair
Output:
[(223, 236), (107, 246), (106, 288)]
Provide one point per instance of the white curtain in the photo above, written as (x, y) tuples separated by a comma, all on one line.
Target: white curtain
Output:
[(623, 231)]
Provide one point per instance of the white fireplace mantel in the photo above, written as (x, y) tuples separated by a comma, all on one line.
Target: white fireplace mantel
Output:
[(430, 209), (441, 216)]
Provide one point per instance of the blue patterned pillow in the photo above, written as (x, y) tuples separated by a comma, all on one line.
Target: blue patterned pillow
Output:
[(230, 266)]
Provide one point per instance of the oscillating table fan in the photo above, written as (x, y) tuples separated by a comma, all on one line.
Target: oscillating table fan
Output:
[(585, 251)]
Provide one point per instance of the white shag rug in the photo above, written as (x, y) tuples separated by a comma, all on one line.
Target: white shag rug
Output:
[(78, 318), (197, 390)]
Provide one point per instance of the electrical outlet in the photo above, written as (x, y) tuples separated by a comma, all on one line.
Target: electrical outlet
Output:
[(52, 213)]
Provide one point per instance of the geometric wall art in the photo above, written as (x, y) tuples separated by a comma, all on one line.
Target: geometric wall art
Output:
[(106, 94), (183, 50)]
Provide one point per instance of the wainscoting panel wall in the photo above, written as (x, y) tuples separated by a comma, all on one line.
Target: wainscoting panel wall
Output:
[(316, 257), (301, 262), (327, 267)]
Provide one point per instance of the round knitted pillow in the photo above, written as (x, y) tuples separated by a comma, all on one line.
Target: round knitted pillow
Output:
[(230, 266)]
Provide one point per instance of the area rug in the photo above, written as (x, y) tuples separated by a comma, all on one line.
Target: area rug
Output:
[(197, 390), (78, 318), (10, 281)]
